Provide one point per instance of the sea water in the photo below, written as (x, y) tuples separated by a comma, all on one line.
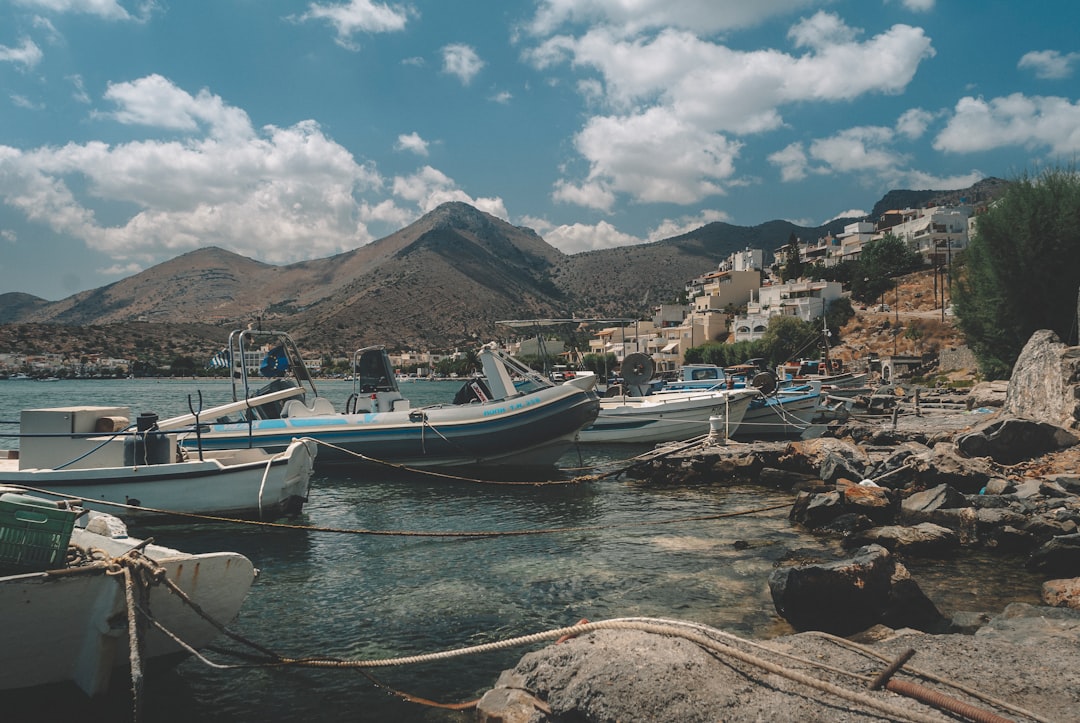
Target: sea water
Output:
[(602, 549)]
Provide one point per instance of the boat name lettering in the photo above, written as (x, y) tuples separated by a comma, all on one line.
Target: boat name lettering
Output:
[(512, 407)]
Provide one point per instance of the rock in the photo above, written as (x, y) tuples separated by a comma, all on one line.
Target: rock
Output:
[(817, 509), (925, 538), (1011, 440), (998, 486), (1060, 556), (808, 456), (1025, 656), (1045, 382), (966, 622), (987, 395), (506, 703), (944, 466), (941, 497), (873, 502), (1062, 593), (850, 595)]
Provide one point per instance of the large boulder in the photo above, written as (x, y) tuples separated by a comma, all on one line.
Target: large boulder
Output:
[(987, 395), (1010, 440), (851, 595), (1045, 383)]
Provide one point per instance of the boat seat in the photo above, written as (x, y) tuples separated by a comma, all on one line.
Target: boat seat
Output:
[(320, 406)]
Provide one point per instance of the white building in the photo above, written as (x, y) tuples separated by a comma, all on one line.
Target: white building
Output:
[(806, 300)]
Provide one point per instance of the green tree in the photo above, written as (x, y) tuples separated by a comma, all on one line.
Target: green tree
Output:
[(880, 260), (793, 266), (1021, 269), (838, 313), (789, 337)]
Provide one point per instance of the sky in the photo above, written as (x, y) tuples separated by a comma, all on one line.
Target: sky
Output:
[(134, 131)]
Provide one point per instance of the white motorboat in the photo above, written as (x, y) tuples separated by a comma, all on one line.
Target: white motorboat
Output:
[(668, 417), (91, 454), (511, 416), (66, 620), (635, 413)]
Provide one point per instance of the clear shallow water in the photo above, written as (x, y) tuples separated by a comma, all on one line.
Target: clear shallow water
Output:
[(360, 596)]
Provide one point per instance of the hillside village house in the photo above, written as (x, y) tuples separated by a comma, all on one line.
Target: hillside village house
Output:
[(806, 300)]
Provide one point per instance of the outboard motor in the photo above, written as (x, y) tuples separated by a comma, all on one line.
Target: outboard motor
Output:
[(474, 390), (147, 446)]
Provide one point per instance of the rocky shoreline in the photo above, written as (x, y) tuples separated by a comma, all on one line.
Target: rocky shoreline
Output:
[(910, 475)]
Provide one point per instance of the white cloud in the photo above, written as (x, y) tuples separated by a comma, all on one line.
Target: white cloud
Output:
[(792, 161), (156, 102), (1049, 64), (919, 6), (502, 97), (278, 194), (859, 149), (412, 142), (107, 9), (27, 53), (850, 213), (8, 235), (430, 187), (1015, 120), (670, 227), (633, 16), (913, 123), (866, 152), (676, 98), (358, 16), (578, 237), (593, 194), (462, 61), (655, 156)]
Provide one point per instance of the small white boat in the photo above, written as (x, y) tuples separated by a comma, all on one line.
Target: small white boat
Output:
[(86, 453), (69, 624), (667, 417)]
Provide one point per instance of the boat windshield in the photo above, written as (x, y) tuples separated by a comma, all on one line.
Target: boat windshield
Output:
[(372, 371)]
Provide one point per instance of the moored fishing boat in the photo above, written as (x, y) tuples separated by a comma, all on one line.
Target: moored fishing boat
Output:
[(785, 412), (90, 453), (66, 618), (636, 412), (510, 416)]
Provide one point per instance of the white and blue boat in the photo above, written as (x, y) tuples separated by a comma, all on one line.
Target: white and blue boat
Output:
[(511, 416)]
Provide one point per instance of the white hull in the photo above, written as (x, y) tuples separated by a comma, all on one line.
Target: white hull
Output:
[(667, 417), (73, 626), (782, 418), (240, 482)]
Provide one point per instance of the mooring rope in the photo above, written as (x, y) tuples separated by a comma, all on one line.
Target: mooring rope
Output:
[(140, 573)]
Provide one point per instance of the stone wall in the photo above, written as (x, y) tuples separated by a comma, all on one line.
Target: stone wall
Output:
[(959, 358)]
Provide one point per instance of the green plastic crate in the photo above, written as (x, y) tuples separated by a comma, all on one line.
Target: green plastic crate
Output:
[(34, 533)]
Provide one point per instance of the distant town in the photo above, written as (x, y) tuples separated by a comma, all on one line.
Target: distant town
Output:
[(733, 303)]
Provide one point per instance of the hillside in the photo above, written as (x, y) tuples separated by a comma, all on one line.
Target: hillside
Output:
[(441, 282)]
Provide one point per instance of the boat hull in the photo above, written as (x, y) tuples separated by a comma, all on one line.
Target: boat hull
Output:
[(72, 627), (535, 428), (664, 417), (263, 486), (778, 416)]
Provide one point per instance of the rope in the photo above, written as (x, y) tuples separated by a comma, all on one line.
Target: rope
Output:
[(444, 475), (861, 697), (140, 573)]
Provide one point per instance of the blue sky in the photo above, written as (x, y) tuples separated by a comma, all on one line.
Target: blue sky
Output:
[(133, 131)]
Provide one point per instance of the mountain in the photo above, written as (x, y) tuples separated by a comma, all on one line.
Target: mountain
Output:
[(440, 282)]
